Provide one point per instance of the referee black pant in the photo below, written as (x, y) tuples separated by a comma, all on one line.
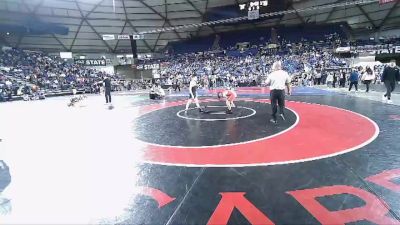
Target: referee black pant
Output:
[(108, 96), (277, 99)]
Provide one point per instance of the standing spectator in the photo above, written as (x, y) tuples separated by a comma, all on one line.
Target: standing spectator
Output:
[(329, 79), (107, 89), (177, 84), (335, 76), (2, 95), (213, 81), (368, 77), (342, 80), (389, 77), (353, 79), (318, 76)]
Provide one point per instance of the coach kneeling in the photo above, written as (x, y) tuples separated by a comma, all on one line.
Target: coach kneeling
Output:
[(156, 92)]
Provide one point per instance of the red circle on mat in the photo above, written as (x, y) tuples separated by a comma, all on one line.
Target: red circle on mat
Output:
[(322, 131)]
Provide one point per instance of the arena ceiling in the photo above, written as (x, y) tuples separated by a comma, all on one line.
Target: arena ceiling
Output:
[(88, 20)]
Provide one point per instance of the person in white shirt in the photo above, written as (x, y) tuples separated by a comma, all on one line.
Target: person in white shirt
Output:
[(329, 79), (318, 76), (278, 80), (368, 77), (193, 93), (160, 92)]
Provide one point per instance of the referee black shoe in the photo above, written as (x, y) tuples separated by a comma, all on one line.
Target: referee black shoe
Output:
[(273, 121), (282, 116)]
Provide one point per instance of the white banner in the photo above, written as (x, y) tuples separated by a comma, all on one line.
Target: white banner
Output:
[(138, 36), (123, 37), (343, 49), (377, 49), (108, 37), (148, 67), (91, 62)]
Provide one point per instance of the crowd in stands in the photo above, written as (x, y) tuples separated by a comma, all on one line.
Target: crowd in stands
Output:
[(33, 74), (309, 63), (248, 67)]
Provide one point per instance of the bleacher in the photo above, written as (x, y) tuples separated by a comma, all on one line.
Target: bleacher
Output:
[(260, 36)]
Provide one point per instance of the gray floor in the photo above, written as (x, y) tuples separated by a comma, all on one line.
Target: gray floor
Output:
[(374, 95)]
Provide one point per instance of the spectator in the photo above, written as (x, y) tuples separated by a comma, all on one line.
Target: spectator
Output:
[(335, 77), (389, 77), (354, 76), (342, 81), (329, 79), (368, 77)]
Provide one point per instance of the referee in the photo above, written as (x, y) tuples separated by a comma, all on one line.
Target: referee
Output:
[(278, 80)]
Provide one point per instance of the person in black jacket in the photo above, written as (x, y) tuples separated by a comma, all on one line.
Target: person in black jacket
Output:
[(107, 89), (335, 78), (342, 80), (390, 76)]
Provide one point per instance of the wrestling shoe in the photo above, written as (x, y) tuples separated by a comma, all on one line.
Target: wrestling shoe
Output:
[(228, 111), (389, 101)]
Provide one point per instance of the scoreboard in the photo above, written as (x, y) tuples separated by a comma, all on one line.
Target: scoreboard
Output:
[(251, 6), (244, 7)]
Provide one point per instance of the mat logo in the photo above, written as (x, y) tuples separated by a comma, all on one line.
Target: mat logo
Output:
[(374, 210)]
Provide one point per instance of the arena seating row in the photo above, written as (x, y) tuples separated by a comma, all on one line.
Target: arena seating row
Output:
[(259, 36)]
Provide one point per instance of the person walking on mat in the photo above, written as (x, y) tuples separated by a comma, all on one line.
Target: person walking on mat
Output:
[(368, 77), (389, 77), (353, 79)]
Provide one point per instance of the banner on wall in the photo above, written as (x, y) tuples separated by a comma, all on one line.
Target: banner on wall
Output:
[(91, 62), (148, 66), (386, 1), (342, 49), (108, 37), (123, 37), (377, 49), (390, 50), (138, 37)]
